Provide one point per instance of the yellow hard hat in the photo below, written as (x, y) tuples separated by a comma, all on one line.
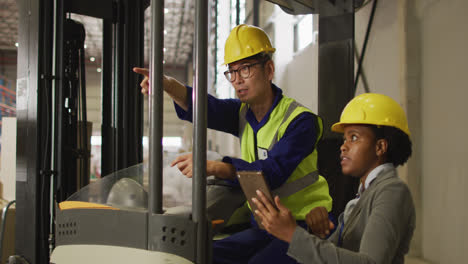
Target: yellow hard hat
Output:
[(373, 109), (245, 41)]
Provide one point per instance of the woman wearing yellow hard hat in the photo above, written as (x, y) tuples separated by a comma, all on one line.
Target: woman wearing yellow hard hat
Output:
[(378, 225), (278, 137)]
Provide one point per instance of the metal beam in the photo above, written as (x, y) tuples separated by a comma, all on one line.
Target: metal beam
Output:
[(156, 101), (199, 132), (32, 186), (256, 12), (130, 101), (122, 115), (99, 9), (336, 84), (108, 127)]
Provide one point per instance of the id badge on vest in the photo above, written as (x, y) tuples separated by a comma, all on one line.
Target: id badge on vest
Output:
[(262, 153)]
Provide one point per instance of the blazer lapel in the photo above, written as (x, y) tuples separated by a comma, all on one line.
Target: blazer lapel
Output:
[(354, 216)]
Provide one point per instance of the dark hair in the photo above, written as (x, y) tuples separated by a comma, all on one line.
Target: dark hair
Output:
[(399, 144), (262, 56)]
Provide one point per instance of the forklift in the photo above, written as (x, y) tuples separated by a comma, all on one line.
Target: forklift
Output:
[(61, 217)]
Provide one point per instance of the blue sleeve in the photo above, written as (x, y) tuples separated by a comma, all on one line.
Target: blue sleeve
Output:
[(223, 114), (297, 143)]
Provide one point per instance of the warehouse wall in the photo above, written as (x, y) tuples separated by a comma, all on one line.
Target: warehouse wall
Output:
[(443, 56)]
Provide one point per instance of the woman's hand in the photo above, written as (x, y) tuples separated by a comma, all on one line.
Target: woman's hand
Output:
[(318, 222), (278, 222)]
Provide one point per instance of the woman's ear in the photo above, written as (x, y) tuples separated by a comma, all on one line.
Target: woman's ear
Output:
[(381, 147)]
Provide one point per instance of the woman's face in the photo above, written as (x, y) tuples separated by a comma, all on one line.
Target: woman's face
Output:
[(360, 151)]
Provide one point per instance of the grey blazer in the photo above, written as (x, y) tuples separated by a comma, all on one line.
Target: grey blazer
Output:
[(378, 230)]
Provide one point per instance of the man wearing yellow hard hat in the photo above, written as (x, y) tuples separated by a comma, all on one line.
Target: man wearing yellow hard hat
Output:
[(376, 226), (278, 137)]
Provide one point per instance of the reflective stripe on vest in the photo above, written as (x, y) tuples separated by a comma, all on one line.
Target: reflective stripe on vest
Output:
[(289, 188), (288, 113)]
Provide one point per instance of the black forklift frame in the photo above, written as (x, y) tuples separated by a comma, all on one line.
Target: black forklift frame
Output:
[(40, 179)]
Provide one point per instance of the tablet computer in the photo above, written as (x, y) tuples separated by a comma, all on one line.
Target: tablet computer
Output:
[(250, 182)]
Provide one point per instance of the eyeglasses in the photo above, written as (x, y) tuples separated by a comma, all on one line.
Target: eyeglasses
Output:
[(244, 71)]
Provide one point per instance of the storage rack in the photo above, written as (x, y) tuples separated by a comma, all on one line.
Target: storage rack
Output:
[(7, 100)]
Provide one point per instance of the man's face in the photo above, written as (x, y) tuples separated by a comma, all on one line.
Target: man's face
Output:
[(251, 78)]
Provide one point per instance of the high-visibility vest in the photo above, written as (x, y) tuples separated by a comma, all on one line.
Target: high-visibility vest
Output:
[(304, 189)]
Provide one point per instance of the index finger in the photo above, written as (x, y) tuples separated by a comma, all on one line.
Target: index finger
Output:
[(141, 71), (180, 158), (177, 160)]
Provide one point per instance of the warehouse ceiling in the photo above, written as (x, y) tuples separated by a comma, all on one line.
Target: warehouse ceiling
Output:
[(178, 23), (8, 24)]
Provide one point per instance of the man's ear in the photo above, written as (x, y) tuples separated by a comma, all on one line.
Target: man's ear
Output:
[(270, 67), (381, 147)]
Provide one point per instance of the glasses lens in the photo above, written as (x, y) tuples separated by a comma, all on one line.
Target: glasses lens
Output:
[(228, 76), (244, 71)]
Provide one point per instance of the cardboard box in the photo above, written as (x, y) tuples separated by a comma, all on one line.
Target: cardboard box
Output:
[(8, 159)]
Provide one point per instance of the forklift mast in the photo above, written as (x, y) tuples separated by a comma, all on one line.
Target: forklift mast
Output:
[(52, 130)]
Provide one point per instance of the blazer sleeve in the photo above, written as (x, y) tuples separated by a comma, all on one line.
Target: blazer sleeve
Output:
[(390, 214), (391, 218)]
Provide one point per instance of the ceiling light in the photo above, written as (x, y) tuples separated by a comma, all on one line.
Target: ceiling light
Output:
[(99, 70), (166, 10), (17, 44), (85, 46), (92, 59), (165, 32)]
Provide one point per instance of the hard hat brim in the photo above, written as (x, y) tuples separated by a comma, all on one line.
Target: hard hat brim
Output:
[(227, 62), (339, 126)]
